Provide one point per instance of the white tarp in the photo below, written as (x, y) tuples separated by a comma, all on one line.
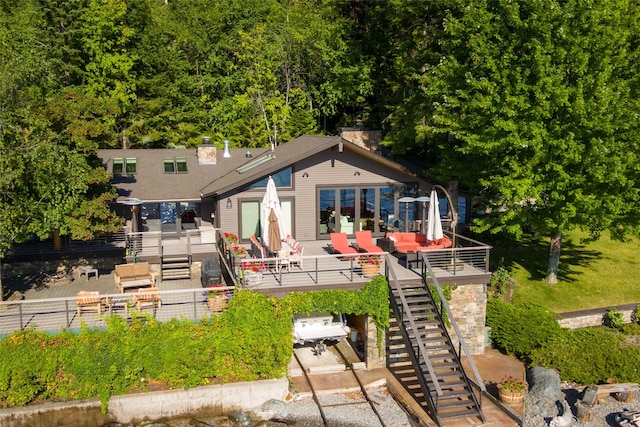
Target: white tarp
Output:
[(271, 201), (434, 224)]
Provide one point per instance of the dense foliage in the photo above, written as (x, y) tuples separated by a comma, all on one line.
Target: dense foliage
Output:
[(590, 356), (586, 356), (519, 329), (251, 340), (531, 104)]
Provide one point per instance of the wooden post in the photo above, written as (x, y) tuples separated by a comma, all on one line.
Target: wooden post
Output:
[(584, 412)]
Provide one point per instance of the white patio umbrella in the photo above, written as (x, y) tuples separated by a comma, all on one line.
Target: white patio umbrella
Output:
[(271, 201), (434, 224)]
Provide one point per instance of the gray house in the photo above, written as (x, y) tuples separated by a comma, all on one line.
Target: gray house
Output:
[(324, 183)]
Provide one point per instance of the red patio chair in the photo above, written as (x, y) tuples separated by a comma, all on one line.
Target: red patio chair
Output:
[(364, 240), (340, 244)]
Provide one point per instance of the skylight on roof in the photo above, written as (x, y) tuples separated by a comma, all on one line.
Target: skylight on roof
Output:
[(255, 162)]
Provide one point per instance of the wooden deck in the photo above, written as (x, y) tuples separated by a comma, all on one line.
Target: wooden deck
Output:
[(54, 308)]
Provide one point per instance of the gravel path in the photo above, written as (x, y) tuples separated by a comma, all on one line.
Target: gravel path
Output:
[(604, 411)]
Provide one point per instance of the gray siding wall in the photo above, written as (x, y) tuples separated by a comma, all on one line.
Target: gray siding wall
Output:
[(330, 167)]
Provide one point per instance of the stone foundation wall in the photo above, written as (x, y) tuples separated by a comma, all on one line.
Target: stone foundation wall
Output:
[(375, 357), (469, 307)]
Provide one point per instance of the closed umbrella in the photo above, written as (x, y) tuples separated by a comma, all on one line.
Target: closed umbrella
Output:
[(271, 202), (275, 241), (434, 224)]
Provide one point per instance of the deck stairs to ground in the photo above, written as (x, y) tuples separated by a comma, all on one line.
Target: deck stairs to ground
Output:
[(175, 267), (422, 357)]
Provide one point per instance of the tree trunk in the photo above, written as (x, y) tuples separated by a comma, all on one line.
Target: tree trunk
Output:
[(57, 241), (1, 288), (554, 258)]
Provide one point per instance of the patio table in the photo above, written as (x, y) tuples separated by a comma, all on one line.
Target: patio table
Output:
[(134, 284)]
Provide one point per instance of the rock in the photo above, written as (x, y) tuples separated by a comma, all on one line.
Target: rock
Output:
[(239, 419), (277, 407), (544, 391), (564, 420), (16, 296)]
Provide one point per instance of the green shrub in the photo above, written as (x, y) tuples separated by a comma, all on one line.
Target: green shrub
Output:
[(590, 356), (251, 340), (614, 318), (519, 329)]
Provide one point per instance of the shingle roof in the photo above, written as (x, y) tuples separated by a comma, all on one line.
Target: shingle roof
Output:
[(282, 156), (151, 183)]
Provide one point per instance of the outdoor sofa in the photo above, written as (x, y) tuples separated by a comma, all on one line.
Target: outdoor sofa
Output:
[(404, 242), (132, 275)]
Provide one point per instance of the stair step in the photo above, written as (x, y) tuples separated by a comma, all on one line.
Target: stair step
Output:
[(457, 400), (449, 399), (458, 414), (166, 266)]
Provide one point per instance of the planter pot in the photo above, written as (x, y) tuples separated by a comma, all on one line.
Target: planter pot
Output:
[(217, 304), (253, 279), (370, 270), (511, 397)]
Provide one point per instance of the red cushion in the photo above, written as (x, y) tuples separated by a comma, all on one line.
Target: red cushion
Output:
[(407, 237)]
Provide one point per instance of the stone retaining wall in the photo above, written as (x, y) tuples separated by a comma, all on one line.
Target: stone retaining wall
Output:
[(595, 317)]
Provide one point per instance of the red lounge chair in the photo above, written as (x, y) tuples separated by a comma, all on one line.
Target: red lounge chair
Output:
[(364, 240), (340, 244)]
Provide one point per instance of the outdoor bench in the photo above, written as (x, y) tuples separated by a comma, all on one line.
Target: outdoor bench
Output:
[(133, 275)]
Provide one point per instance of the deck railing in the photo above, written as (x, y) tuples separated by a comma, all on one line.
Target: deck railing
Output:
[(467, 253), (239, 268), (155, 243), (54, 314)]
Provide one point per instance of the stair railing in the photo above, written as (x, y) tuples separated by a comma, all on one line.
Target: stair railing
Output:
[(426, 267), (422, 350)]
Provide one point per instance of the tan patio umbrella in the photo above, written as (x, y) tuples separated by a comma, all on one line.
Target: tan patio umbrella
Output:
[(271, 203), (275, 241)]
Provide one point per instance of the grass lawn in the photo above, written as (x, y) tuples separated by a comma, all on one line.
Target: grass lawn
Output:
[(604, 273)]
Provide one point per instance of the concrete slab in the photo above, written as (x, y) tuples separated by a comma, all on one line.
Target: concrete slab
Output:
[(326, 362)]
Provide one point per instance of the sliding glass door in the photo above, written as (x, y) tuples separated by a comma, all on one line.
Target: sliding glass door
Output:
[(349, 209)]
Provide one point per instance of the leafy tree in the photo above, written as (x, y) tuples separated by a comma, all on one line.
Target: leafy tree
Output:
[(535, 105), (50, 178)]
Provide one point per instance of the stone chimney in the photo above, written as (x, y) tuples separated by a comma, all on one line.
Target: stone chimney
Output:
[(366, 138), (206, 152)]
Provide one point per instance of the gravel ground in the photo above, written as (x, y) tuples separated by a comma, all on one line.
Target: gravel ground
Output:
[(341, 410), (349, 410), (603, 412)]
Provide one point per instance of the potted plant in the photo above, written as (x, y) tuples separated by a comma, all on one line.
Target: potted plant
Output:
[(370, 264), (253, 272), (241, 251), (512, 390), (216, 298), (232, 238)]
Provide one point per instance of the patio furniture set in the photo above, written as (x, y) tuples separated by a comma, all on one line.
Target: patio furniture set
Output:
[(135, 279), (289, 255), (364, 243)]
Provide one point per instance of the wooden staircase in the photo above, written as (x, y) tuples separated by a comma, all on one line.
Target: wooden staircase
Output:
[(420, 354), (175, 267)]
